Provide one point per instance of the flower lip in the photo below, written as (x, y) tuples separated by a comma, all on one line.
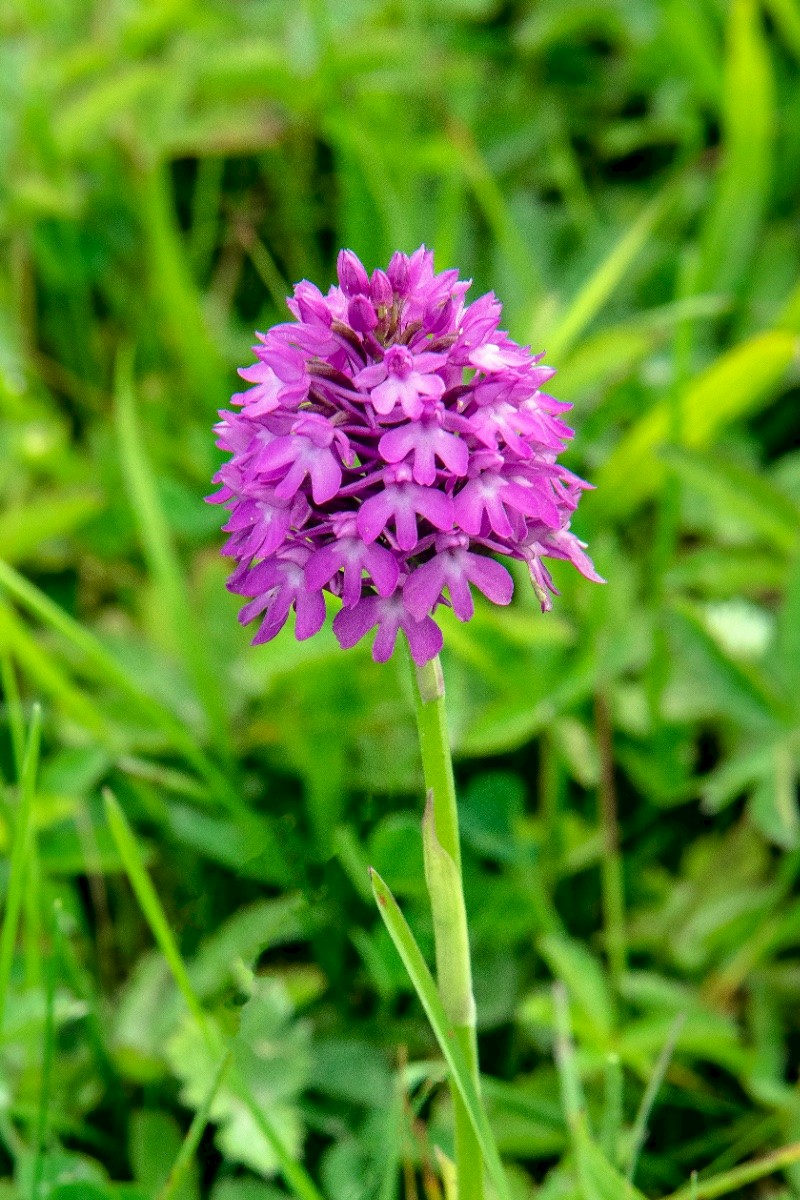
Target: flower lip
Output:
[(393, 440)]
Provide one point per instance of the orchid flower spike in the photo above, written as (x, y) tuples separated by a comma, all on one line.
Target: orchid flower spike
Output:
[(393, 441)]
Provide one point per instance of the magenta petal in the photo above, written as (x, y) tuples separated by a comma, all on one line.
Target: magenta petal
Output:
[(423, 588), (385, 638), (310, 614), (405, 518), (326, 477), (397, 443), (453, 452), (322, 566), (424, 640), (275, 619), (424, 463), (370, 377), (386, 396), (351, 624), (468, 510), (253, 609), (436, 506), (382, 566), (373, 516), (460, 594), (489, 577), (292, 481)]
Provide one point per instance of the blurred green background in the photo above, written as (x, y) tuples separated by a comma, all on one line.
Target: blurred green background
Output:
[(625, 176)]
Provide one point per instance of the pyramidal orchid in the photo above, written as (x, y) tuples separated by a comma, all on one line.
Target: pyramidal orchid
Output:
[(393, 446), (393, 441)]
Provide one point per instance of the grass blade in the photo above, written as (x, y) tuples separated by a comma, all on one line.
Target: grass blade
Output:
[(738, 1177), (47, 1058), (300, 1182), (425, 988), (651, 1092), (150, 904), (736, 213), (612, 1107), (598, 1179), (19, 854), (43, 671), (183, 323), (108, 669), (571, 1089), (14, 713), (600, 285), (195, 1132), (156, 918), (159, 551), (25, 527)]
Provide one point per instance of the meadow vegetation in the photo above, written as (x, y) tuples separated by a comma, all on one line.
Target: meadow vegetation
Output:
[(198, 999)]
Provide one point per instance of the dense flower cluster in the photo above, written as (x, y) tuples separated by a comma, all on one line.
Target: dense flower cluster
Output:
[(393, 439)]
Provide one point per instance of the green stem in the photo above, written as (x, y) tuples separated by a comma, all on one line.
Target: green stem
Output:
[(443, 872)]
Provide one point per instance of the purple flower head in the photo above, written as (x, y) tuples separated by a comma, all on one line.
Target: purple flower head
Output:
[(393, 440)]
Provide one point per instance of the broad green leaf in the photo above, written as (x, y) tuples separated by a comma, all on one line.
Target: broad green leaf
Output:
[(351, 1070), (735, 776), (154, 1142), (735, 689), (395, 849), (740, 491), (788, 642), (425, 988), (786, 15), (773, 803), (23, 529), (242, 938), (735, 386), (246, 842), (255, 1106)]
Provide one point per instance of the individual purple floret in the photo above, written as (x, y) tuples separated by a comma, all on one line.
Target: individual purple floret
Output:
[(392, 441)]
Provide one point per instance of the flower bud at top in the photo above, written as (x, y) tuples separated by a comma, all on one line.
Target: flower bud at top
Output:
[(381, 289), (352, 276), (398, 273), (311, 305)]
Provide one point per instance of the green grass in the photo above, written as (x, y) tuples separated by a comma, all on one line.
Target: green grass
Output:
[(625, 177)]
